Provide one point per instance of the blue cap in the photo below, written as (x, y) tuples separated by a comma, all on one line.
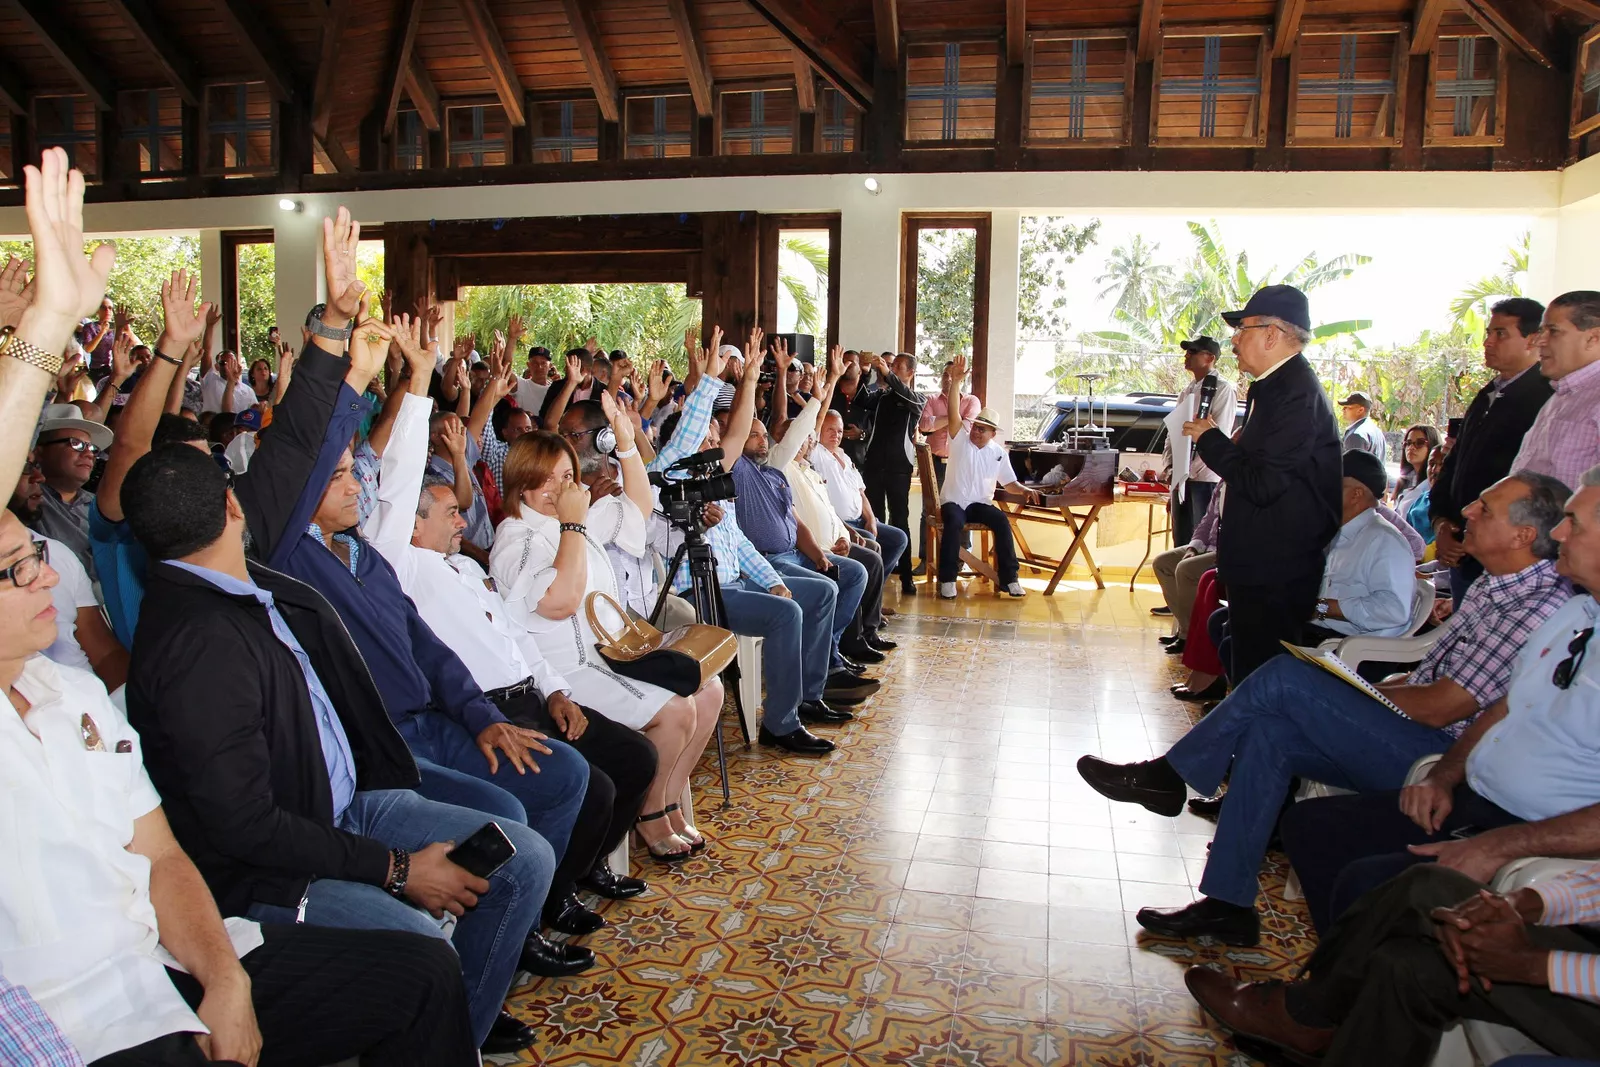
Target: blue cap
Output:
[(248, 419), (1279, 301)]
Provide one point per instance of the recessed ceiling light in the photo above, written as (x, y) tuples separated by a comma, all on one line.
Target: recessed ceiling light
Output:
[(873, 186), (291, 205)]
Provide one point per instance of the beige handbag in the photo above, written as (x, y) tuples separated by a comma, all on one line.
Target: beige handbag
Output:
[(680, 661)]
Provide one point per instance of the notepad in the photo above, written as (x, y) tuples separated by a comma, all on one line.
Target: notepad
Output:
[(1342, 670)]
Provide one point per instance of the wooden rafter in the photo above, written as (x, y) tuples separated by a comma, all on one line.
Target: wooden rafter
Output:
[(1425, 24), (886, 28), (1586, 8), (43, 17), (838, 55), (261, 47), (333, 24), (1286, 27), (1149, 30), (602, 77), (400, 57), (805, 83), (151, 34), (496, 60), (13, 94), (331, 154), (423, 96), (694, 56), (1518, 26), (1016, 32)]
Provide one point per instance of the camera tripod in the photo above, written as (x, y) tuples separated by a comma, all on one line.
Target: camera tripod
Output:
[(705, 594)]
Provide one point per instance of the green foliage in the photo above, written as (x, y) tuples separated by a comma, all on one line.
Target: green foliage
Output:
[(1048, 245), (258, 303), (1470, 309), (803, 273), (135, 282), (1425, 381), (646, 321)]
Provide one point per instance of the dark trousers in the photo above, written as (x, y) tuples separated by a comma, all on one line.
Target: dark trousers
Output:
[(889, 492), (1261, 616), (1380, 976), (1343, 846), (323, 995), (1187, 515), (871, 606), (622, 763), (955, 519)]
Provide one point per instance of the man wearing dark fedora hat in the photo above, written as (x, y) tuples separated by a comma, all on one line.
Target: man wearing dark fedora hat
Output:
[(1283, 479)]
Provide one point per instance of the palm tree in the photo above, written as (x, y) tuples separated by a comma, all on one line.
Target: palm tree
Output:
[(1470, 309), (1134, 275), (803, 273)]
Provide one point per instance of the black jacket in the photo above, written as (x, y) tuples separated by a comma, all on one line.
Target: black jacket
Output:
[(899, 408), (1284, 480), (1491, 433)]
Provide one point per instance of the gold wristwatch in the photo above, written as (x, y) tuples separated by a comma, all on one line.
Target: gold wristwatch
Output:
[(15, 347)]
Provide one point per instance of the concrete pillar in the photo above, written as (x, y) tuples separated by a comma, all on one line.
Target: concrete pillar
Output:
[(211, 276), (869, 274), (297, 265), (1577, 234), (1005, 273), (1544, 257)]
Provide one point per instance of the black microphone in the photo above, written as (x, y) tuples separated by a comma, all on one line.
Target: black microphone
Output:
[(1208, 393)]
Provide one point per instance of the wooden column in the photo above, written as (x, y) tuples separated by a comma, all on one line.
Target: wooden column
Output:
[(730, 273), (407, 268)]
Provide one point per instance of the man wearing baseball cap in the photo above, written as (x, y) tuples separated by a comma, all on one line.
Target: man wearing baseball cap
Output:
[(1214, 396), (1361, 434), (67, 446), (1283, 480)]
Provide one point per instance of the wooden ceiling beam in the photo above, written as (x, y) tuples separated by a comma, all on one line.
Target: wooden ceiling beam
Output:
[(1585, 8), (13, 94), (1286, 27), (243, 19), (694, 56), (322, 88), (602, 78), (1016, 32), (423, 96), (64, 45), (399, 69), (492, 49), (838, 55), (1149, 30), (151, 34), (805, 83), (1425, 24), (886, 28), (1517, 27), (331, 154)]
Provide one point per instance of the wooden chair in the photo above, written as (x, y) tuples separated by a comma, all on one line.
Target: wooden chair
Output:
[(933, 530)]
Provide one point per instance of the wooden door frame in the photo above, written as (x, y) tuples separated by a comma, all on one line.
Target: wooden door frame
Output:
[(771, 228), (911, 226)]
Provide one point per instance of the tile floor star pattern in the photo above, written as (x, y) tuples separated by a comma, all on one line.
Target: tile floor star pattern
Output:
[(944, 890)]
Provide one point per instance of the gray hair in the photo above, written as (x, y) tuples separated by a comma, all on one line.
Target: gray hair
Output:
[(1543, 509), (1591, 478), (1299, 333), (431, 481)]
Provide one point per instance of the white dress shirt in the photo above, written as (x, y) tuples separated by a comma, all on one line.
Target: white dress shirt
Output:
[(812, 505), (973, 472), (453, 595), (213, 385), (844, 482), (1371, 573), (72, 592), (1224, 410), (77, 926)]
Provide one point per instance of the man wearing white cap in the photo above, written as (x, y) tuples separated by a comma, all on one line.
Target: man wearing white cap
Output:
[(66, 451), (977, 464)]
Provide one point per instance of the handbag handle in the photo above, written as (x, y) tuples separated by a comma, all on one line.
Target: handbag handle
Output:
[(634, 628)]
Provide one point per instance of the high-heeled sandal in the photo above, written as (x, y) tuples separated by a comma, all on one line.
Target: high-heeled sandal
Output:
[(697, 840), (665, 853)]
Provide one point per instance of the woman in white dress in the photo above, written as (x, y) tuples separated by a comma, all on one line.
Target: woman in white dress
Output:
[(549, 554)]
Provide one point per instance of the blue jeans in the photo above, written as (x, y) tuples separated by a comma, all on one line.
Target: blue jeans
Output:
[(891, 539), (794, 653), (455, 772), (489, 938), (852, 583), (955, 519), (1288, 718)]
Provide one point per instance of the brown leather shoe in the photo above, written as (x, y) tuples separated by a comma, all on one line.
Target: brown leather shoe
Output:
[(1256, 1010)]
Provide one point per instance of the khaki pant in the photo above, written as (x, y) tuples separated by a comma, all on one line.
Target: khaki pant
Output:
[(1179, 573)]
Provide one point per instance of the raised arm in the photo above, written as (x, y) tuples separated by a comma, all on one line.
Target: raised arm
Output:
[(952, 395), (635, 479), (744, 403), (405, 458), (121, 370), (801, 427)]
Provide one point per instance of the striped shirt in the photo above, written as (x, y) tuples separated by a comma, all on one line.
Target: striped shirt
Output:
[(766, 506), (27, 1035), (494, 452), (1564, 441), (1573, 900), (1494, 621)]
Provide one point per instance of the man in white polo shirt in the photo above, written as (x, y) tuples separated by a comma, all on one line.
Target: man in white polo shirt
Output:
[(977, 464)]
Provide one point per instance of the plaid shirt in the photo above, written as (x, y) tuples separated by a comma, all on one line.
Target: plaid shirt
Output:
[(1564, 441), (1573, 900), (493, 450), (354, 544), (1494, 621), (27, 1035)]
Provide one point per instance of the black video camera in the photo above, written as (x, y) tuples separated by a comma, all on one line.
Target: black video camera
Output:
[(702, 481)]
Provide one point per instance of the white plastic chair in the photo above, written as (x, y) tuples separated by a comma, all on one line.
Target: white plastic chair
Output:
[(619, 858), (1408, 649), (750, 683)]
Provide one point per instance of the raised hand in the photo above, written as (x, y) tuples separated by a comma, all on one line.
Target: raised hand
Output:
[(182, 322), (691, 341), (72, 369), (958, 371), (214, 312), (122, 366), (121, 317), (369, 344), (408, 338), (16, 290), (572, 503), (67, 285), (712, 362), (341, 235), (753, 347), (835, 364), (464, 345), (515, 328), (659, 382), (592, 345), (387, 303), (620, 426), (453, 435)]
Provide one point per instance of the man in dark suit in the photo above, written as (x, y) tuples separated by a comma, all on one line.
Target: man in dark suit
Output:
[(1492, 431), (1283, 478)]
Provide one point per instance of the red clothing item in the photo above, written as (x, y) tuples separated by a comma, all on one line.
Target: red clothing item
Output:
[(491, 492), (1199, 654)]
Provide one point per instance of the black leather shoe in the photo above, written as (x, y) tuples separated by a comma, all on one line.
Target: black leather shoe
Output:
[(1136, 783), (1206, 807), (1228, 923), (862, 653), (1168, 639), (507, 1034), (611, 885), (801, 741), (1215, 691), (569, 916), (1162, 610), (842, 688), (908, 589), (549, 959), (881, 643), (1176, 648), (851, 666), (817, 711)]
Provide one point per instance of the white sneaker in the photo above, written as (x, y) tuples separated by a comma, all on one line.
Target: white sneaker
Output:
[(947, 590), (1015, 589)]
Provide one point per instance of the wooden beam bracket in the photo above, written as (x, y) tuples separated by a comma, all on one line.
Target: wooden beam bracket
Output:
[(601, 76), (496, 60), (694, 58), (44, 19)]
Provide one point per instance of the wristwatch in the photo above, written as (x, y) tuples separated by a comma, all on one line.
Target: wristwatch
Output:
[(1322, 609), (323, 330), (15, 347)]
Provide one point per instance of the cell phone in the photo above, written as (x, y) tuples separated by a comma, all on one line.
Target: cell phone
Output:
[(485, 852), (1453, 427)]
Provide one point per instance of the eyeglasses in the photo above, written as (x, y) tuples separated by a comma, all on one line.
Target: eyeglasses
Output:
[(77, 444), (1567, 670), (25, 571), (1257, 326), (582, 433)]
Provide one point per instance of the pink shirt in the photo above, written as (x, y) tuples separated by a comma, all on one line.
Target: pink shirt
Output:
[(935, 416), (1564, 441)]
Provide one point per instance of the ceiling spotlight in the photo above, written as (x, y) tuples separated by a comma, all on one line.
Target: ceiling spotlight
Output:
[(291, 205), (873, 186)]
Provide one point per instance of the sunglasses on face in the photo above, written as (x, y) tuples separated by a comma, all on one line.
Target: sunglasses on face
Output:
[(25, 571), (74, 443), (1567, 670)]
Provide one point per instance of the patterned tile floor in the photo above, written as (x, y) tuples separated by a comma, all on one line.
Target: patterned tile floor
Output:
[(942, 892)]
